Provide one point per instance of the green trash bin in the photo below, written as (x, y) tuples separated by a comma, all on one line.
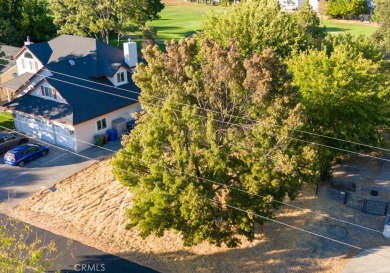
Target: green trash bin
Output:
[(99, 140)]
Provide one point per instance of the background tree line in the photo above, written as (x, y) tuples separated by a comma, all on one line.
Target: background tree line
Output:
[(101, 19)]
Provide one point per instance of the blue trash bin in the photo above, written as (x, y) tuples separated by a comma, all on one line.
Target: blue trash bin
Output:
[(111, 135)]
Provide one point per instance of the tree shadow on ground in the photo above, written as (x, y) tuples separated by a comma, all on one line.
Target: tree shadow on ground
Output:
[(336, 29), (279, 248)]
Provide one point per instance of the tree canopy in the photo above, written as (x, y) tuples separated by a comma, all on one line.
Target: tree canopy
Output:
[(345, 91), (382, 16), (181, 160), (106, 16), (21, 18), (343, 8), (258, 25), (21, 252)]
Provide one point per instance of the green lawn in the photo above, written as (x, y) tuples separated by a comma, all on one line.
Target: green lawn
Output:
[(179, 21), (354, 29), (6, 120)]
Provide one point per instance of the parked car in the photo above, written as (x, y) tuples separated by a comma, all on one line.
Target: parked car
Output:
[(10, 140), (21, 154)]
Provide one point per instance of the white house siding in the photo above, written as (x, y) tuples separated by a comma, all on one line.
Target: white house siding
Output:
[(26, 67), (49, 131), (297, 4), (314, 4), (86, 131)]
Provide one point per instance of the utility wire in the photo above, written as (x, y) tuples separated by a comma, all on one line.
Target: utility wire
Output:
[(217, 112), (279, 222), (222, 184), (233, 207), (221, 121)]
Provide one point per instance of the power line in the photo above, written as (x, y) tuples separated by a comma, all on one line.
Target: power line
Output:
[(227, 123), (229, 186), (218, 112), (239, 209), (300, 229), (221, 121), (279, 222)]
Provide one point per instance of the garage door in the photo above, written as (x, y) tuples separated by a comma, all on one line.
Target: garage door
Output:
[(44, 130), (46, 133), (26, 124), (63, 137)]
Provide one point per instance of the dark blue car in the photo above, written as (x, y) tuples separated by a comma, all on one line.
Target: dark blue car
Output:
[(21, 154)]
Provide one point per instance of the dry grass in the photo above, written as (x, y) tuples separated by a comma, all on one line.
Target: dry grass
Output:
[(89, 207)]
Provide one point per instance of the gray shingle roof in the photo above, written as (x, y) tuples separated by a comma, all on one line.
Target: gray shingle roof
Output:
[(98, 56), (10, 52), (45, 108), (18, 81), (87, 98), (91, 99)]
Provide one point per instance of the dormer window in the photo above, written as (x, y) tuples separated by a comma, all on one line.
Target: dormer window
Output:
[(48, 92), (32, 65), (120, 77), (28, 55)]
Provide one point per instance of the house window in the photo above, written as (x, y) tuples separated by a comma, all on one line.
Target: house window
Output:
[(28, 55), (101, 124), (30, 61), (120, 77), (48, 92)]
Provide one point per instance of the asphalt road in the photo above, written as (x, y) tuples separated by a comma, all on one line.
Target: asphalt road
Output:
[(81, 258)]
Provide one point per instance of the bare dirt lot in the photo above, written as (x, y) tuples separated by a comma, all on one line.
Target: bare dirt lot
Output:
[(89, 207)]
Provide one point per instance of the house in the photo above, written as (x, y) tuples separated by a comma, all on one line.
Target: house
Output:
[(291, 4), (298, 4), (8, 71), (73, 88)]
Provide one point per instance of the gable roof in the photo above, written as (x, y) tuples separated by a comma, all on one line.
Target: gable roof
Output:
[(87, 99), (100, 58), (18, 81), (91, 99), (9, 53), (44, 108), (80, 83)]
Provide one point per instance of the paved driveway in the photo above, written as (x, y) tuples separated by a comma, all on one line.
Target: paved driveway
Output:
[(17, 183)]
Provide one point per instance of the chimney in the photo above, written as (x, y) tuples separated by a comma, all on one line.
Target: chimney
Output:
[(130, 53), (28, 42)]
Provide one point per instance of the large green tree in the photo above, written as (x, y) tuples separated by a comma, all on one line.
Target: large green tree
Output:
[(382, 16), (21, 18), (178, 147), (345, 91), (257, 25), (346, 8), (106, 16)]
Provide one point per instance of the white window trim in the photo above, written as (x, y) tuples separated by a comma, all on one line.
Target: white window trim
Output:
[(96, 124), (124, 77), (52, 91)]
